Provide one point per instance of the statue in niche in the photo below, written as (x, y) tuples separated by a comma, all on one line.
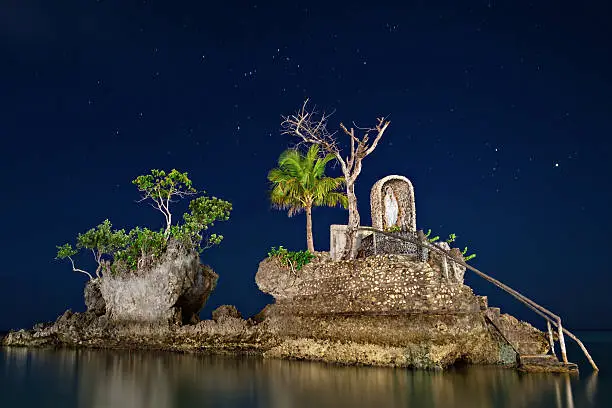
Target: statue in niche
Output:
[(391, 208), (392, 204)]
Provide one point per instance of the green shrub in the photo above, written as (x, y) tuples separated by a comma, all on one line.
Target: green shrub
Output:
[(143, 245), (451, 238), (393, 228), (294, 259)]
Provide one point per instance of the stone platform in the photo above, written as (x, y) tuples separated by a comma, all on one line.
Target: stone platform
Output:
[(383, 310)]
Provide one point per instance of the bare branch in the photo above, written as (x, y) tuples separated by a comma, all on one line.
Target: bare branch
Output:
[(80, 270), (380, 128)]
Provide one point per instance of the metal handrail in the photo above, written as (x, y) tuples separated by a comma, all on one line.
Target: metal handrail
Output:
[(540, 310)]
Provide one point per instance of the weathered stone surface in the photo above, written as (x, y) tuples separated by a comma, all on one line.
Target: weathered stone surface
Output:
[(545, 363), (444, 266), (194, 298), (225, 311), (404, 340), (263, 314), (337, 240), (523, 337), (93, 298), (88, 330), (382, 310), (382, 284), (174, 290)]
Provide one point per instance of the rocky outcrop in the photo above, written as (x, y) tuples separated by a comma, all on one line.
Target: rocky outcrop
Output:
[(387, 310), (94, 301), (172, 291), (88, 330), (381, 284), (225, 311), (522, 336), (145, 307), (382, 310)]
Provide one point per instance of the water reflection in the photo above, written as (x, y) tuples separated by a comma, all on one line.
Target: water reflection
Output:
[(162, 380)]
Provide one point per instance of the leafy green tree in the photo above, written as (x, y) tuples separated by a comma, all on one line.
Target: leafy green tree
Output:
[(102, 240), (142, 247), (203, 213), (299, 183), (160, 187), (146, 246)]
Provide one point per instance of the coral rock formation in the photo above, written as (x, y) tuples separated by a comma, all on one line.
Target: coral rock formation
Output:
[(382, 310), (172, 291), (386, 310)]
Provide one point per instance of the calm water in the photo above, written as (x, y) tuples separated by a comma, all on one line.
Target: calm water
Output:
[(89, 378)]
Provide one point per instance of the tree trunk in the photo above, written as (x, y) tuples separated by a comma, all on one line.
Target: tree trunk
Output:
[(353, 221), (168, 224), (309, 239)]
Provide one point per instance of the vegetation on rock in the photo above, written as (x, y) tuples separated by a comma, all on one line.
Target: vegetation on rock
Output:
[(160, 187), (451, 238), (299, 183), (293, 259), (117, 251)]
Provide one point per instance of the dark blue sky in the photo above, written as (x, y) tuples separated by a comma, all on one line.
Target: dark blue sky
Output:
[(501, 115)]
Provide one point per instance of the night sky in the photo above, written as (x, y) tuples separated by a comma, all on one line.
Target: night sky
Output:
[(501, 115)]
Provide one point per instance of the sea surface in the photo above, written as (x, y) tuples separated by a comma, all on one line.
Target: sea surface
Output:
[(93, 378)]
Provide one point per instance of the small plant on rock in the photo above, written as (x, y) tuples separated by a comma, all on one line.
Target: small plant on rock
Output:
[(451, 238), (468, 257), (393, 228), (432, 240), (293, 259)]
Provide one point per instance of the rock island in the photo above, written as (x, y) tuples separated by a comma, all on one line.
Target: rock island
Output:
[(384, 295)]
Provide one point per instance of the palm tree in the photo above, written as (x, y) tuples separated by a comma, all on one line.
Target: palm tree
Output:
[(299, 183)]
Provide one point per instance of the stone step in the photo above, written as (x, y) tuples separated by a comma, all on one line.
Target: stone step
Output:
[(538, 359), (544, 363)]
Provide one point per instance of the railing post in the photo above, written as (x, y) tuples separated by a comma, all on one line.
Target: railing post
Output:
[(562, 342), (551, 340), (445, 267), (421, 244)]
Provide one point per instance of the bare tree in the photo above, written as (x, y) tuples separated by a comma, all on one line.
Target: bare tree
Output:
[(311, 128)]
